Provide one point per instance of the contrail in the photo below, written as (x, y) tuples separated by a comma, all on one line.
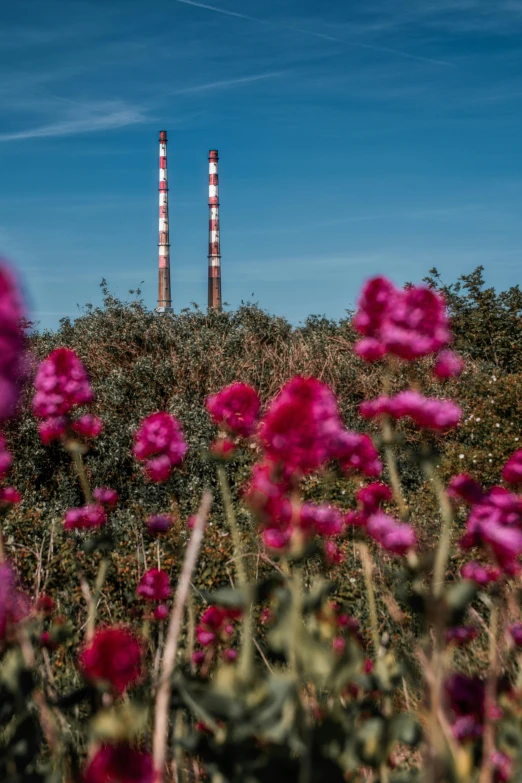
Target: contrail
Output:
[(222, 83), (324, 36)]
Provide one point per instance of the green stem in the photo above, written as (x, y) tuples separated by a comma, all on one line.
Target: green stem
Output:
[(247, 650), (443, 549), (80, 470), (232, 523), (391, 463), (367, 571), (93, 605)]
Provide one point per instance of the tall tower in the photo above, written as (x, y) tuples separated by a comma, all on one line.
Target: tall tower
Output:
[(214, 249), (164, 296)]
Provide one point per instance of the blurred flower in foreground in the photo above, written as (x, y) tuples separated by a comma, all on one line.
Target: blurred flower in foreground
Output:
[(113, 657), (119, 764)]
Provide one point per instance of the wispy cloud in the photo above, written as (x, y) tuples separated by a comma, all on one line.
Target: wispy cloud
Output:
[(95, 117), (316, 33)]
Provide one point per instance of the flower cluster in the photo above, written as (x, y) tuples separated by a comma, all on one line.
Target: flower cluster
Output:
[(396, 537), (427, 412), (235, 408), (160, 444), (216, 627), (121, 763), (154, 585), (14, 604), (61, 385), (494, 523), (12, 363), (89, 516), (407, 323), (8, 495), (113, 658), (106, 496)]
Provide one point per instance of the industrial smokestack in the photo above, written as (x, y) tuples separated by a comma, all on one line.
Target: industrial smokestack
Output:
[(214, 249), (164, 296)]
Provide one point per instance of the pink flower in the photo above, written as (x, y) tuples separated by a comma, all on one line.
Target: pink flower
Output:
[(299, 425), (223, 448), (159, 523), (89, 516), (14, 604), (516, 633), (502, 765), (230, 655), (371, 496), (9, 495), (159, 442), (198, 657), (408, 323), (235, 408), (61, 383), (106, 496), (395, 537), (370, 349), (463, 487), (191, 521), (88, 425), (113, 657), (5, 458), (52, 428), (332, 553), (215, 625), (461, 635), (119, 764), (512, 470), (154, 585), (426, 412), (448, 365), (161, 612), (480, 574), (12, 363), (356, 452), (277, 538), (324, 520)]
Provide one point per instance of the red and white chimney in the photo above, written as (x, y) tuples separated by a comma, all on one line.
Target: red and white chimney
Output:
[(214, 248), (164, 295)]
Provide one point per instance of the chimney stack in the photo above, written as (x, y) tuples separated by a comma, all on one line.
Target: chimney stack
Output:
[(214, 249), (164, 295)]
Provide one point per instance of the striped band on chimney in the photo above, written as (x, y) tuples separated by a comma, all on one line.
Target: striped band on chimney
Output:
[(214, 249), (164, 295)]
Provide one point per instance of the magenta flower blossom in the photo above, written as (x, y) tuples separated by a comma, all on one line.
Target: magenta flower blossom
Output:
[(89, 516), (332, 553), (159, 523), (12, 361), (461, 635), (215, 625), (114, 657), (463, 487), (14, 604), (159, 442), (448, 365), (61, 384), (52, 428), (9, 496), (427, 412), (324, 520), (395, 537), (88, 425), (371, 496), (235, 408), (482, 575), (512, 470), (119, 764), (5, 458), (106, 496), (154, 585), (502, 765), (277, 537), (515, 631), (407, 323), (300, 425), (161, 612), (356, 452)]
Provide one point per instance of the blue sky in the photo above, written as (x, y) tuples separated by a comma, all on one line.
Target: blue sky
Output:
[(355, 138)]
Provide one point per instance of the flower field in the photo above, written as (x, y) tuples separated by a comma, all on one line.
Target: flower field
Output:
[(233, 550)]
